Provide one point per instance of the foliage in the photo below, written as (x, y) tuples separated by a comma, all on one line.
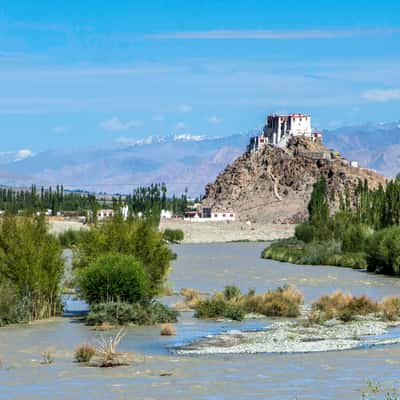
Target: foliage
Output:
[(117, 313), (306, 232), (31, 263), (132, 237), (114, 278), (13, 309), (390, 308), (231, 291), (84, 352), (173, 235), (281, 302), (383, 251), (69, 238), (148, 201), (318, 205), (343, 306)]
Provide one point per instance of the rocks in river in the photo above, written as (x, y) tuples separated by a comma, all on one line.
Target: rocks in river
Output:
[(292, 337)]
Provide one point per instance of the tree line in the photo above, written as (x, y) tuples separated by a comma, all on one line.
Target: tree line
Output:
[(145, 200)]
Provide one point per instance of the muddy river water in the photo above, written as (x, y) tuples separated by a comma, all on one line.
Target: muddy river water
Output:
[(207, 267)]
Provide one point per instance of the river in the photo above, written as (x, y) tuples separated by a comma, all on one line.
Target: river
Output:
[(207, 267)]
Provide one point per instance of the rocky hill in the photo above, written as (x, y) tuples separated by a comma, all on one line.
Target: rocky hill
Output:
[(274, 185)]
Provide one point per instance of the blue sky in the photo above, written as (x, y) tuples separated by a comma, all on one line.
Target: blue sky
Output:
[(92, 73)]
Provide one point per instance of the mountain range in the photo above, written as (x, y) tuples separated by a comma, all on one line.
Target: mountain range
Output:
[(183, 161)]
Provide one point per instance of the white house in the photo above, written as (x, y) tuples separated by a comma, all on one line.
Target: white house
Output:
[(222, 216), (102, 214), (166, 214)]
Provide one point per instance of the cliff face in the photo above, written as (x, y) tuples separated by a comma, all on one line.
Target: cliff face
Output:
[(274, 185)]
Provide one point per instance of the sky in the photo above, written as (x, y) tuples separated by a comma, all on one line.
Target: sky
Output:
[(77, 73)]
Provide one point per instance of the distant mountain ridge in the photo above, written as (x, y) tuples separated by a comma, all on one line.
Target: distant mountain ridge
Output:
[(181, 160), (373, 145)]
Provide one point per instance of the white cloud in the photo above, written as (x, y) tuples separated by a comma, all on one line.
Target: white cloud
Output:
[(274, 35), (159, 118), (382, 95), (115, 124), (59, 129), (185, 108), (214, 119), (180, 125), (23, 153)]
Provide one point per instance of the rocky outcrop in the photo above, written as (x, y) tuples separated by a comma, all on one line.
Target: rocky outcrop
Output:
[(274, 185)]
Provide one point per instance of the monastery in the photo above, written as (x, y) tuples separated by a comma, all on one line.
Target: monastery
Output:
[(279, 129)]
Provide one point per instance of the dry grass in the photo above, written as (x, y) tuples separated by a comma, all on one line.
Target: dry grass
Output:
[(343, 306), (167, 330), (192, 296), (107, 350), (84, 353), (390, 308), (281, 302), (47, 357)]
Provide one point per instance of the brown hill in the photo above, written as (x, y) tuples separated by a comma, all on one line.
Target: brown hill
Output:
[(274, 185)]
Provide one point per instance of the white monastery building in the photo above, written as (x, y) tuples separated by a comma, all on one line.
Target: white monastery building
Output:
[(279, 129)]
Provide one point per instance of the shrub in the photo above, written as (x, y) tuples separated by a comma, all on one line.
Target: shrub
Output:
[(114, 278), (230, 292), (167, 330), (343, 306), (84, 352), (31, 263), (69, 238), (173, 235), (354, 238), (305, 232), (13, 310), (136, 238), (211, 308), (391, 308), (192, 296), (124, 314), (282, 302), (236, 312)]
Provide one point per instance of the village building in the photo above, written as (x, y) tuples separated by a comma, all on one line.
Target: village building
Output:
[(102, 214), (209, 215)]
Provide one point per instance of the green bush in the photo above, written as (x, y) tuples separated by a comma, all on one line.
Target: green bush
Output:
[(354, 239), (114, 278), (118, 313), (305, 232), (236, 312), (383, 251), (13, 310), (69, 238), (31, 263), (211, 308), (173, 235), (281, 302), (231, 291), (136, 238)]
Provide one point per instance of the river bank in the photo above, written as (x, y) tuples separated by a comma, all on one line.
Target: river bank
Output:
[(205, 267), (224, 231)]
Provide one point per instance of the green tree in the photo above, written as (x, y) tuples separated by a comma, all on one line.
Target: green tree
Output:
[(114, 277)]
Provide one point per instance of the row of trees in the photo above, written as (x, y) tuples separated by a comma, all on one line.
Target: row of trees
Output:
[(40, 199), (365, 232), (146, 200)]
